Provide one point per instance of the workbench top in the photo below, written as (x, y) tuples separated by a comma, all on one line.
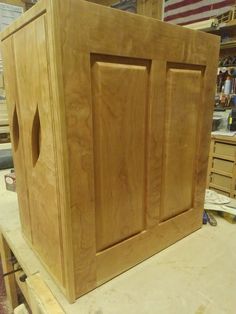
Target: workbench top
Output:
[(195, 275), (224, 136)]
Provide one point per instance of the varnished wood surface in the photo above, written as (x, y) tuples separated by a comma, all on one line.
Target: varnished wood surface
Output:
[(36, 136), (120, 180), (59, 124), (151, 8), (16, 129), (182, 112), (31, 65), (164, 46), (108, 102)]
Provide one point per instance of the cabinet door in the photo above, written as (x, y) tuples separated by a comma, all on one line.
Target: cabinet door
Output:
[(139, 97), (16, 129), (30, 47)]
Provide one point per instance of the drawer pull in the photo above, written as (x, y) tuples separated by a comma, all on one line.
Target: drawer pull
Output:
[(36, 138), (15, 130)]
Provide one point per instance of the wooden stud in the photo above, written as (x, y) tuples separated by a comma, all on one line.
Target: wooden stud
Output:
[(10, 282), (41, 298)]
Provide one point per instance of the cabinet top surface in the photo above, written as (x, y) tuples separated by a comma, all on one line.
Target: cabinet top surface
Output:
[(43, 6)]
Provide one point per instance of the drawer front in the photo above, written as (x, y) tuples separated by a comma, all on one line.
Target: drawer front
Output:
[(225, 149), (221, 180), (220, 192), (223, 165)]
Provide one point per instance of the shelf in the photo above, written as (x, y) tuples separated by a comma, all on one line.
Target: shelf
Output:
[(227, 66), (227, 45), (223, 157), (219, 94)]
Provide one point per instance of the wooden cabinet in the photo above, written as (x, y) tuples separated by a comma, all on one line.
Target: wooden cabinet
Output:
[(110, 117), (221, 168)]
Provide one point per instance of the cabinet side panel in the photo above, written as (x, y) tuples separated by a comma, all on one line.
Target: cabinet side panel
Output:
[(16, 127), (35, 100), (182, 110)]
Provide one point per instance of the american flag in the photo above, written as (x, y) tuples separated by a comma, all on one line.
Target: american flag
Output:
[(184, 12)]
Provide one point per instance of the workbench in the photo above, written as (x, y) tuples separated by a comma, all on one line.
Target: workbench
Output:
[(195, 275)]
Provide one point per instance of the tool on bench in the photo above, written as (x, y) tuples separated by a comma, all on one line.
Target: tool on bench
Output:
[(210, 218), (204, 218)]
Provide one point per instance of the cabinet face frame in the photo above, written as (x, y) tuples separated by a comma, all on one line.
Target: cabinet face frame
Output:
[(90, 63)]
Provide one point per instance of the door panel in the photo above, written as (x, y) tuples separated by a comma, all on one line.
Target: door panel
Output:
[(16, 129), (183, 90), (119, 133), (35, 105)]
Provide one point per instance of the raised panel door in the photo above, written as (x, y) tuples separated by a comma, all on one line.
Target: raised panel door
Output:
[(138, 98)]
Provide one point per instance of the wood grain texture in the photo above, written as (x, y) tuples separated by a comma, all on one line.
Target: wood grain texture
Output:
[(59, 124), (16, 129), (183, 103), (95, 29), (34, 95), (151, 8), (10, 283), (41, 298), (109, 103), (119, 132)]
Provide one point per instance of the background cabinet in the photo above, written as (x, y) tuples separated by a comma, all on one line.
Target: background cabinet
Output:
[(111, 135), (222, 169)]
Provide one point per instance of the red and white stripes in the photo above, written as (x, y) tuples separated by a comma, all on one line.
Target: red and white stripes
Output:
[(184, 12)]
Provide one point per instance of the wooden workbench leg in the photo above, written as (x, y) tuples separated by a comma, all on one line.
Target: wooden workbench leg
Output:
[(10, 282)]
